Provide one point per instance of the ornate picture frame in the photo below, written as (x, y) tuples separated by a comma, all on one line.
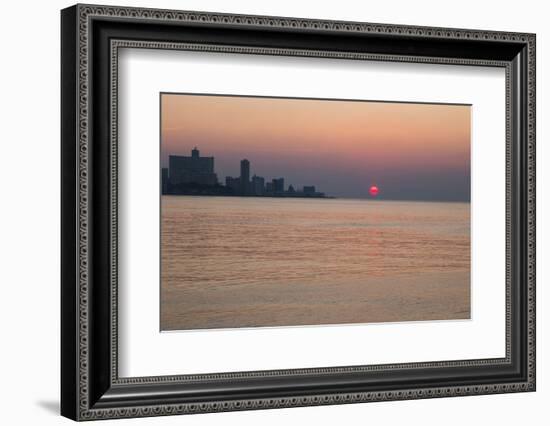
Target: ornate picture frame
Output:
[(91, 37)]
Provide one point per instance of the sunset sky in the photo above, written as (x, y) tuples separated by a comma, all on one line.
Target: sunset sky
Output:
[(410, 151)]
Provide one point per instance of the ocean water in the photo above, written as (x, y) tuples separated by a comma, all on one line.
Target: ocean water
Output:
[(229, 262)]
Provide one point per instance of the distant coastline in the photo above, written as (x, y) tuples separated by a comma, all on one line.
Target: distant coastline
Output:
[(213, 192), (224, 191)]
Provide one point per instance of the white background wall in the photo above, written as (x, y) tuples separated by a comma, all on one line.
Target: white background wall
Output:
[(29, 211)]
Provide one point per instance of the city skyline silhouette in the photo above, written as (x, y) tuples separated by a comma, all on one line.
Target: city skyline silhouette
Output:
[(196, 175)]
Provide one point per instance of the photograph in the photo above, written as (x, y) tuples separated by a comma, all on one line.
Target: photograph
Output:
[(279, 211)]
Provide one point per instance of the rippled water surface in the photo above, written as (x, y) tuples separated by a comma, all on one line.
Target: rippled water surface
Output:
[(248, 262)]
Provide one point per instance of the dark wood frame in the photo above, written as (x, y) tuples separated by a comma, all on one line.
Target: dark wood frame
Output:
[(90, 386)]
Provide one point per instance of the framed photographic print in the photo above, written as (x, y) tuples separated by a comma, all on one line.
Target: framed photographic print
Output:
[(263, 212)]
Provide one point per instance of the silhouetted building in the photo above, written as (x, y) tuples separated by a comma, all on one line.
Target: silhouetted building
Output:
[(291, 189), (245, 177), (164, 181), (278, 185), (234, 184), (269, 187), (257, 185), (309, 190), (194, 169)]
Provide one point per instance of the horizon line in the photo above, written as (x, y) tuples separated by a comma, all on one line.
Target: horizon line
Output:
[(328, 198)]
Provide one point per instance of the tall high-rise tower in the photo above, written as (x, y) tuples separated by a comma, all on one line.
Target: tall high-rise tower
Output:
[(245, 176)]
